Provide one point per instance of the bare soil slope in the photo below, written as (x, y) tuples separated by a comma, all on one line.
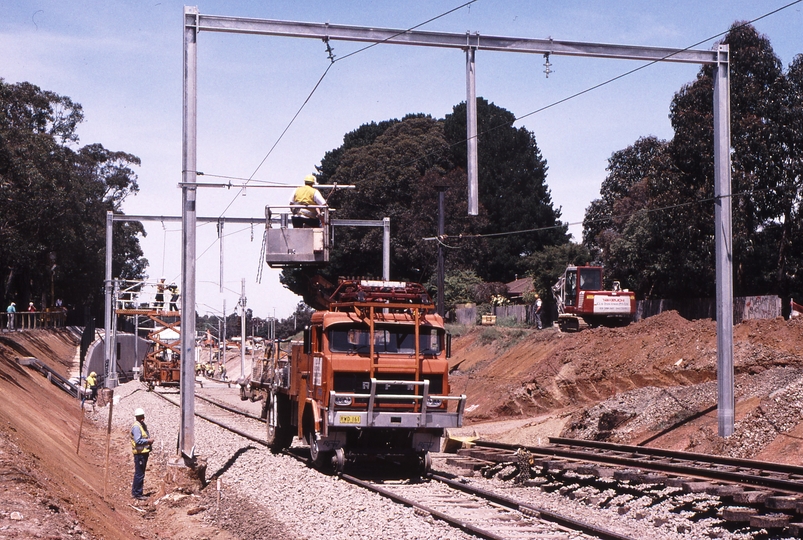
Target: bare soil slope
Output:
[(47, 490), (653, 382), (631, 384)]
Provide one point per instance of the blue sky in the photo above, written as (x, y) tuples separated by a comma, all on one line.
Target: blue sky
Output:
[(122, 60)]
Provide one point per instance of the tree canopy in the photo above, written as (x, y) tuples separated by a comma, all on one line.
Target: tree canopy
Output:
[(653, 224), (399, 166), (54, 196)]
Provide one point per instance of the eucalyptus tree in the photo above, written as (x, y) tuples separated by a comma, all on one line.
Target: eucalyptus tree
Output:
[(54, 195)]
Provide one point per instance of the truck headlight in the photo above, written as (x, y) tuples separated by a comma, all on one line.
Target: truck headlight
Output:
[(342, 401)]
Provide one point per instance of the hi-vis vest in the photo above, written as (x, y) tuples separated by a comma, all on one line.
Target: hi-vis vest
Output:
[(305, 195), (142, 448)]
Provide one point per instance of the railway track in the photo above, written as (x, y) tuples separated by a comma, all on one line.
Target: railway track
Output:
[(471, 509), (483, 513), (758, 494)]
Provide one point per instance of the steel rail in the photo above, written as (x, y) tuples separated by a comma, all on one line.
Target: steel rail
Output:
[(757, 479), (528, 509), (677, 454), (230, 409), (501, 500), (395, 497), (219, 424)]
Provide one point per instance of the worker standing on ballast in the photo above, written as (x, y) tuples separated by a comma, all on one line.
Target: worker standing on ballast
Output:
[(141, 446), (91, 385), (305, 196)]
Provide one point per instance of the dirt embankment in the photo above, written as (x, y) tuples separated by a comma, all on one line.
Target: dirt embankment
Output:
[(47, 488), (630, 384), (653, 382)]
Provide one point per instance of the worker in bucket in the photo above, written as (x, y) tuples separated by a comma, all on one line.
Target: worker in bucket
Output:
[(141, 446), (304, 197)]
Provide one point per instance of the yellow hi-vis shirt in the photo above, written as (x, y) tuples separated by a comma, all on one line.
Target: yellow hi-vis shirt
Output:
[(307, 195), (143, 448)]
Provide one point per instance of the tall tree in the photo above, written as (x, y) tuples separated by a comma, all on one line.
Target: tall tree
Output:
[(669, 252), (54, 197), (397, 167), (400, 166), (512, 188)]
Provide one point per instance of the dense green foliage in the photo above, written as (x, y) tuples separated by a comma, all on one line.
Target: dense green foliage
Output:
[(54, 196), (653, 225), (399, 166)]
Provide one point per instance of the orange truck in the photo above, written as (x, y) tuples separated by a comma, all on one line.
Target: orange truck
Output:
[(581, 300), (370, 380)]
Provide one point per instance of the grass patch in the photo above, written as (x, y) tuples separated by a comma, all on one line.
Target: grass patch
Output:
[(457, 330), (489, 334)]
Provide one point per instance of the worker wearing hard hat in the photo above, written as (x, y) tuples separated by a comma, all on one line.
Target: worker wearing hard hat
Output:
[(91, 386), (305, 196), (141, 446), (159, 300)]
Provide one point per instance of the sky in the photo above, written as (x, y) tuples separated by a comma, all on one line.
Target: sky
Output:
[(123, 62)]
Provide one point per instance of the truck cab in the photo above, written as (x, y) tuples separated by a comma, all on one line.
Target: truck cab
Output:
[(370, 379)]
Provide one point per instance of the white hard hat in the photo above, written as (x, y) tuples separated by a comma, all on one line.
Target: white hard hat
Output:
[(139, 412)]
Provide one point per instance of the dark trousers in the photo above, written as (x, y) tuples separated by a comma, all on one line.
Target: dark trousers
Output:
[(300, 222), (140, 462)]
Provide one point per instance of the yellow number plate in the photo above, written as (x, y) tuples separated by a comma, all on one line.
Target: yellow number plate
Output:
[(350, 419)]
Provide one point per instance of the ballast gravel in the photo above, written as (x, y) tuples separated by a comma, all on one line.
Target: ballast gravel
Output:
[(266, 496), (302, 501)]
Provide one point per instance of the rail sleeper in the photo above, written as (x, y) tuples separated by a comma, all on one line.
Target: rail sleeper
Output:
[(770, 521), (782, 502), (738, 514)]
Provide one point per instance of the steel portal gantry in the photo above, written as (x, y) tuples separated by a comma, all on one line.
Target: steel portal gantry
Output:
[(195, 22)]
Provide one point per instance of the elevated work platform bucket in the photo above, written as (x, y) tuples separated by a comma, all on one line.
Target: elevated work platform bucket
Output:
[(289, 246)]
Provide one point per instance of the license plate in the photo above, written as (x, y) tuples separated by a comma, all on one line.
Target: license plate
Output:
[(350, 419)]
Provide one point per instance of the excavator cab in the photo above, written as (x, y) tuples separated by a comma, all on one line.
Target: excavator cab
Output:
[(289, 246)]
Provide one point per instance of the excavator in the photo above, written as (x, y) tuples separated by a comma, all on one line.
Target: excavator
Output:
[(582, 302)]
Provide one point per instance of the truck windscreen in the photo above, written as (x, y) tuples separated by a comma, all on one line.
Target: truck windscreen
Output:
[(387, 339)]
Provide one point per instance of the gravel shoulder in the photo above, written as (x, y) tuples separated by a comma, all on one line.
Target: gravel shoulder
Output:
[(624, 385)]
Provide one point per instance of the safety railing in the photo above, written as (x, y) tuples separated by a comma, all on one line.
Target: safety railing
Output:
[(32, 320)]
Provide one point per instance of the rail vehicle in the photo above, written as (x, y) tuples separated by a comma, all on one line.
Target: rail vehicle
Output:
[(370, 379), (582, 301), (162, 363)]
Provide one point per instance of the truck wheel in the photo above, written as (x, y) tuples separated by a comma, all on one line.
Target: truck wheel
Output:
[(279, 432)]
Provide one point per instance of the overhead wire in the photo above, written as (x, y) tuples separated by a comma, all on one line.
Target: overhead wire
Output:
[(489, 130), (587, 90), (603, 83), (332, 62), (320, 80), (440, 239)]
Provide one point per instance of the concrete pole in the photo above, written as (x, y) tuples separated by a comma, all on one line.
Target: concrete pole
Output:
[(385, 250), (441, 230), (107, 319), (114, 380)]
